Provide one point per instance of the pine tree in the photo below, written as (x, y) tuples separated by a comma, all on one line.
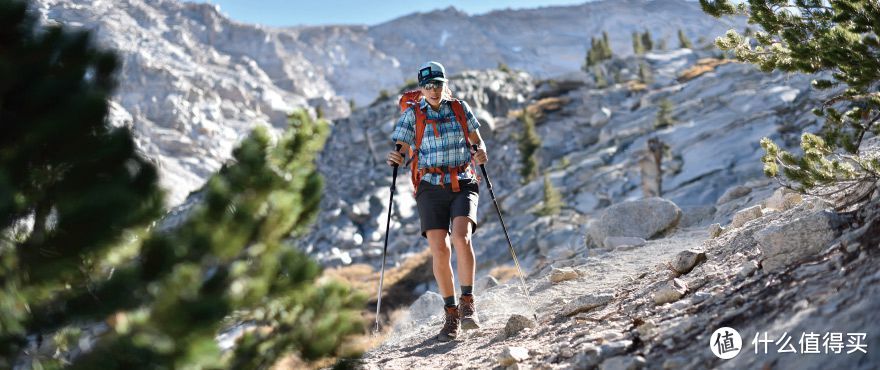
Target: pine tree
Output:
[(647, 41), (503, 67), (91, 257), (81, 182), (593, 54), (529, 142), (841, 38), (638, 46), (684, 41), (599, 50), (645, 74), (599, 76), (606, 46), (664, 114), (552, 203)]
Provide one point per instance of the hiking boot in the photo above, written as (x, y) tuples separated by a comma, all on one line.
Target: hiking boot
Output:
[(450, 328), (466, 310)]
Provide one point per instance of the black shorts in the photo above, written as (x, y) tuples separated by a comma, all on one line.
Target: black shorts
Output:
[(439, 205)]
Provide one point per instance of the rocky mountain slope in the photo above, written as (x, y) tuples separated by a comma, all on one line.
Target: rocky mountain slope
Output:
[(593, 140), (794, 270), (548, 41), (194, 82), (619, 281)]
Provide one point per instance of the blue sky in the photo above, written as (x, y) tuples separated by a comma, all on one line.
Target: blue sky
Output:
[(321, 12)]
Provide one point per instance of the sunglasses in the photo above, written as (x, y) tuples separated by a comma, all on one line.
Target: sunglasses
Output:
[(432, 85)]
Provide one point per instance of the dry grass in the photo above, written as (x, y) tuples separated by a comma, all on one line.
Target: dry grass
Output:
[(636, 86), (396, 297), (703, 66), (504, 273), (541, 107), (364, 278)]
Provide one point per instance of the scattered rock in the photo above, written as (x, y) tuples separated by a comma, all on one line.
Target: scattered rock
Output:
[(564, 350), (611, 335), (588, 357), (517, 323), (696, 215), (853, 247), (686, 260), (783, 199), (485, 283), (623, 363), (792, 200), (615, 348), (671, 292), (619, 241), (701, 296), (647, 329), (558, 243), (746, 215), (677, 362), (642, 218), (586, 303), (732, 193), (748, 269), (601, 117), (428, 305), (562, 274), (512, 355), (785, 242), (715, 230)]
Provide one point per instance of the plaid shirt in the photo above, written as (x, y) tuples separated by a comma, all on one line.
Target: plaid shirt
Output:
[(448, 150)]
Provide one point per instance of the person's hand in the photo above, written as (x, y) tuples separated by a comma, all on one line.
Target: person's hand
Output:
[(480, 156), (394, 158)]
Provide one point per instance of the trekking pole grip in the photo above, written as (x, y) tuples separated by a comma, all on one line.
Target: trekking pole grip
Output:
[(396, 149), (483, 169)]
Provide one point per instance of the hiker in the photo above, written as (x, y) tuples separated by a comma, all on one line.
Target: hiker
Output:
[(432, 129)]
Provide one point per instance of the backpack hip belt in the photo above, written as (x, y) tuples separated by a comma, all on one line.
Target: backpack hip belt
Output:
[(453, 172)]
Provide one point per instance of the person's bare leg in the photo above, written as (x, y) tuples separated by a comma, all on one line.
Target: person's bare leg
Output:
[(461, 239), (464, 250), (441, 258)]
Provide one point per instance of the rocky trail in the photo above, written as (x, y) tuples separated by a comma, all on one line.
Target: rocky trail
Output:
[(656, 305), (602, 275)]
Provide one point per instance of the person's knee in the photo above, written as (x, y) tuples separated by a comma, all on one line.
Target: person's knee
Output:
[(461, 237), (437, 242)]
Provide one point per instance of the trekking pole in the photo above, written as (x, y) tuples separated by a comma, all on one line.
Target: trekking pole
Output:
[(385, 250), (522, 279)]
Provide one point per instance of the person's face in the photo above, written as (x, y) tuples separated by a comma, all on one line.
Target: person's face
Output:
[(433, 92)]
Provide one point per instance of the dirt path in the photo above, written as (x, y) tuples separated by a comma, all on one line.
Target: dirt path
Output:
[(411, 345)]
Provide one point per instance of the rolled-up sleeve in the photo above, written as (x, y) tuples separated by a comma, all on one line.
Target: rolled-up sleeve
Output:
[(473, 123), (405, 129)]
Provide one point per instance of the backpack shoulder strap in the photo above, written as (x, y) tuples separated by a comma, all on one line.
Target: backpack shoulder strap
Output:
[(461, 117), (416, 176), (421, 119)]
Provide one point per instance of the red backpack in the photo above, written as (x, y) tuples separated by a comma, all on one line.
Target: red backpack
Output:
[(412, 98)]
